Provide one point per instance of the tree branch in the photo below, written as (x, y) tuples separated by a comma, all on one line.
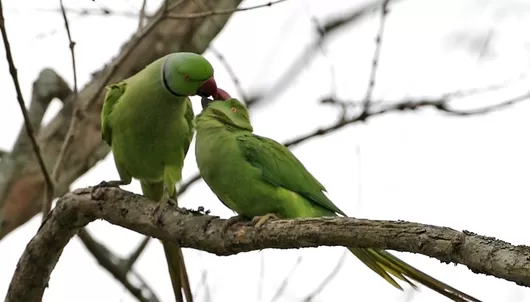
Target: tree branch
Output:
[(190, 229), (27, 123), (324, 32), (383, 107), (49, 190), (221, 11), (328, 278), (375, 59), (115, 266), (24, 185)]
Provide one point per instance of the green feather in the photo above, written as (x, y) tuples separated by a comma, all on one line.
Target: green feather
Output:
[(147, 120), (255, 176)]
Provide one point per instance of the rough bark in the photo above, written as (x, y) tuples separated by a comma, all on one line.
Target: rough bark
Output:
[(21, 181), (191, 229)]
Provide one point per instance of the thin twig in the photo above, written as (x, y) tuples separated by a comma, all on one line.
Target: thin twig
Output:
[(204, 282), (438, 103), (141, 17), (127, 51), (328, 279), (221, 11), (90, 12), (187, 184), (231, 73), (261, 275), (29, 128), (285, 282), (79, 112), (128, 264), (375, 59), (324, 31), (112, 264), (49, 191)]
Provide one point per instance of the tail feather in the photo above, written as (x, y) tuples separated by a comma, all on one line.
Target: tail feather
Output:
[(177, 271), (385, 264), (173, 252)]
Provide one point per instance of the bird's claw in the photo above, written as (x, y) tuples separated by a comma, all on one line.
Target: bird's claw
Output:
[(230, 222), (110, 184), (200, 211), (259, 221), (159, 209)]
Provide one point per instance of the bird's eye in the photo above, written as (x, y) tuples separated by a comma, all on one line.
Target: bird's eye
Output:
[(233, 109), (186, 77)]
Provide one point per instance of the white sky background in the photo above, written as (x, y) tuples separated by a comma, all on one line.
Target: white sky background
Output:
[(464, 173)]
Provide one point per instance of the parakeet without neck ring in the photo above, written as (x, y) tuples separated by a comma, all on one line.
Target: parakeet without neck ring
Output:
[(147, 120), (260, 179)]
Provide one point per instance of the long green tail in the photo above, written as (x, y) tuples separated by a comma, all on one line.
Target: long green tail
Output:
[(386, 264), (173, 252)]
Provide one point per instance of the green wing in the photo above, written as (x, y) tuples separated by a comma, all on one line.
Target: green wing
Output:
[(189, 116), (281, 168), (113, 95)]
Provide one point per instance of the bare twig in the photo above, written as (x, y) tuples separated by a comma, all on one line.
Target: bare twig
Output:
[(375, 59), (187, 184), (125, 54), (141, 17), (206, 290), (221, 11), (328, 278), (91, 12), (20, 99), (49, 192), (231, 73), (261, 275), (438, 103), (285, 282), (128, 264), (324, 31), (116, 267)]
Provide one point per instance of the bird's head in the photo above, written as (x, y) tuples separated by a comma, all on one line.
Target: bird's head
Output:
[(229, 112), (188, 74)]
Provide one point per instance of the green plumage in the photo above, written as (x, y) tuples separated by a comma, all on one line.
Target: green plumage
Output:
[(257, 176), (147, 120)]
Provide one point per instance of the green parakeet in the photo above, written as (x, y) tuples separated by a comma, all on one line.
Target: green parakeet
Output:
[(260, 179), (147, 120)]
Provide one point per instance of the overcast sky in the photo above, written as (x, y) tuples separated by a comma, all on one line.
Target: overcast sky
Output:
[(464, 173)]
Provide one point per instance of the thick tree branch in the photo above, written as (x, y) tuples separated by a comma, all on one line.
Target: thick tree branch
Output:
[(24, 185), (75, 210), (49, 85)]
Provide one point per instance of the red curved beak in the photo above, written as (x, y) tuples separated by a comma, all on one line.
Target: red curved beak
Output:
[(222, 95), (209, 88)]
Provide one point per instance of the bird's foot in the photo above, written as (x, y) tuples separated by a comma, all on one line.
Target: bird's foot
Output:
[(200, 211), (230, 222), (110, 184), (159, 210), (259, 221)]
